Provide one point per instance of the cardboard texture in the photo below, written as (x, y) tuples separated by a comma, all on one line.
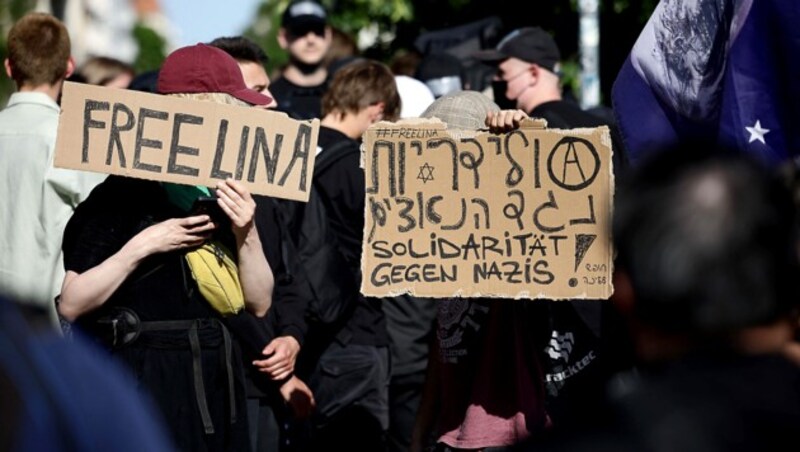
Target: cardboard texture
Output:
[(193, 142), (519, 215)]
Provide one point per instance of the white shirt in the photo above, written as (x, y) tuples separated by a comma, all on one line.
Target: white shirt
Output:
[(37, 200)]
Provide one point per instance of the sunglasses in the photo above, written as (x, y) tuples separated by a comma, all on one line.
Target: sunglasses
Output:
[(299, 31)]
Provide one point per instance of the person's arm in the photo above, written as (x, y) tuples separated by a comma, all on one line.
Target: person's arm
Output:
[(255, 273), (292, 295), (86, 291)]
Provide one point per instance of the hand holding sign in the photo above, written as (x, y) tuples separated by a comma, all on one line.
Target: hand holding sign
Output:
[(237, 203)]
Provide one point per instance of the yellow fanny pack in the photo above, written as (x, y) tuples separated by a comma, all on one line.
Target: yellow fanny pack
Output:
[(217, 275)]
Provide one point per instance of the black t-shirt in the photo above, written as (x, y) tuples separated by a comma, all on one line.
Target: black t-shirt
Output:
[(341, 188), (290, 297), (599, 346), (300, 102), (709, 402), (161, 289), (562, 114), (117, 210)]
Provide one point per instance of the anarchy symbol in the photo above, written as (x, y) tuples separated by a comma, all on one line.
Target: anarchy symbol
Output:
[(575, 153)]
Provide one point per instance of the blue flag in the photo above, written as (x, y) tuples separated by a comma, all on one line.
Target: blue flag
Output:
[(725, 71)]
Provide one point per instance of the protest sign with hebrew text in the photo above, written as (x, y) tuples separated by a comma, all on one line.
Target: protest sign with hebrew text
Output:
[(525, 214)]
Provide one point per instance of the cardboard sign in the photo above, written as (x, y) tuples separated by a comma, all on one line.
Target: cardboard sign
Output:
[(193, 142), (519, 215)]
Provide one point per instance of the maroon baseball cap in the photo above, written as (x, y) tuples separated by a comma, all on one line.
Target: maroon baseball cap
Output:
[(205, 69)]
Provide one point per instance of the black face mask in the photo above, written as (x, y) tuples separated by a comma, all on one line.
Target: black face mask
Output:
[(499, 91)]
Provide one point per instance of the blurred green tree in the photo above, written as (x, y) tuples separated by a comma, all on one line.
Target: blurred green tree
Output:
[(10, 11), (394, 24), (152, 48)]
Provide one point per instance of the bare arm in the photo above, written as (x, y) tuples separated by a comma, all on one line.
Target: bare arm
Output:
[(84, 292), (255, 273)]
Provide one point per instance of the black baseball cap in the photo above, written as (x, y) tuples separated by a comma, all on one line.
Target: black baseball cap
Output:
[(303, 16), (531, 44)]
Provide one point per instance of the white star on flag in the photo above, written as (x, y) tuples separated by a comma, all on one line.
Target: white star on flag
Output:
[(757, 132)]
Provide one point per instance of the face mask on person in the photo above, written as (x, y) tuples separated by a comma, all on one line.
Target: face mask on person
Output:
[(499, 88)]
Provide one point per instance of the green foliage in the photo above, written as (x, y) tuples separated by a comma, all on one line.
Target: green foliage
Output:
[(264, 31), (645, 7), (152, 48), (571, 75), (350, 16), (10, 11)]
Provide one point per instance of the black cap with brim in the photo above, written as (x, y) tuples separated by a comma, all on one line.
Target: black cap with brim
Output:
[(531, 44), (490, 56), (304, 15)]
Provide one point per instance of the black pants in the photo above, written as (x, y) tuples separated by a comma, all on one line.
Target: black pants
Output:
[(351, 388)]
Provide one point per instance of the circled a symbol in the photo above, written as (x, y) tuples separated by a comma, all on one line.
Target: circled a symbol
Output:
[(577, 152)]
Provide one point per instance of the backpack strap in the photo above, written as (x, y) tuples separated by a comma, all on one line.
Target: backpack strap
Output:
[(332, 154)]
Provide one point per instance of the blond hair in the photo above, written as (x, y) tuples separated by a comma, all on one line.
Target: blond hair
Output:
[(217, 98)]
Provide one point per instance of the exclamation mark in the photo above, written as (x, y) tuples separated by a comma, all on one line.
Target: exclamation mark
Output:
[(582, 244)]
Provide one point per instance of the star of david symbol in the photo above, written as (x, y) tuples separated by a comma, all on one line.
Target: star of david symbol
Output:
[(425, 173)]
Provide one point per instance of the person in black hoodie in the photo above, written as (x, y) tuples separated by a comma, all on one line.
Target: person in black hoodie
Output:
[(707, 272), (346, 356)]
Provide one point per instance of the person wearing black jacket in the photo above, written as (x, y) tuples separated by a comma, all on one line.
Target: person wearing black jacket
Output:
[(346, 356), (707, 272), (528, 65), (306, 37)]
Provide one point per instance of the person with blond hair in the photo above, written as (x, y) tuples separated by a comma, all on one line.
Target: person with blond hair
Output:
[(129, 286)]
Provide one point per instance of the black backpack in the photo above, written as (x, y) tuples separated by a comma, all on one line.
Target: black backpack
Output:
[(334, 288)]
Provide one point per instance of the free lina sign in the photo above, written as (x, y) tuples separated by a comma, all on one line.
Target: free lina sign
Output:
[(184, 141)]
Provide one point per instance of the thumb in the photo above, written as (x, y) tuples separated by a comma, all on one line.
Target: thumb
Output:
[(269, 349)]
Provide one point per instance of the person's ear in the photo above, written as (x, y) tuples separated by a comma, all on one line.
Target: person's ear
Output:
[(536, 72), (9, 72), (328, 34), (283, 39), (376, 112), (70, 68)]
